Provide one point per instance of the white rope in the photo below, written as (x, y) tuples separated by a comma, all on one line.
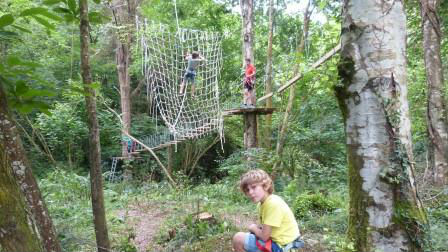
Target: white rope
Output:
[(175, 10), (164, 66)]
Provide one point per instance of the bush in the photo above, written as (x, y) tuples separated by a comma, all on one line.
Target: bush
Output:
[(311, 205)]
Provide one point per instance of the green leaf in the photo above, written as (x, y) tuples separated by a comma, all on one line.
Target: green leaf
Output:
[(51, 16), (21, 28), (94, 85), (72, 6), (44, 22), (8, 35), (51, 2), (97, 1), (24, 108), (41, 105), (6, 20), (33, 11), (69, 18), (38, 93), (96, 17), (12, 61), (40, 11), (78, 90), (15, 61), (21, 87), (61, 10)]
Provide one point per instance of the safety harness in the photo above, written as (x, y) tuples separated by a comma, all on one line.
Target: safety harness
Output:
[(267, 247)]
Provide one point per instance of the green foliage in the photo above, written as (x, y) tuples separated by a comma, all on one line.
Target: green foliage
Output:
[(193, 229), (65, 131), (307, 206)]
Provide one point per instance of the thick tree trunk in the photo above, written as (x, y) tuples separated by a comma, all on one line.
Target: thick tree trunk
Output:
[(268, 86), (99, 215), (250, 120), (385, 212), (16, 221), (22, 170), (292, 91), (436, 108), (124, 14)]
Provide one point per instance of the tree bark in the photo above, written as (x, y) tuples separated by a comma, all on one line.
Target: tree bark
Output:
[(292, 90), (436, 107), (250, 119), (96, 182), (23, 173), (170, 159), (268, 86), (385, 211), (124, 15), (17, 222)]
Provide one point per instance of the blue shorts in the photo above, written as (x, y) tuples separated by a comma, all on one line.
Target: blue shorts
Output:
[(189, 76), (251, 246)]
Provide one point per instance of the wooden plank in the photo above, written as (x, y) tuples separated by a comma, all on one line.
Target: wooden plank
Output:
[(241, 111), (315, 65)]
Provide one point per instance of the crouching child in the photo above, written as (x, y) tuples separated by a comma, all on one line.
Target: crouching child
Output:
[(277, 230)]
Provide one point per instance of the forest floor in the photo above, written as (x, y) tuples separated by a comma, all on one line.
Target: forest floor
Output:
[(147, 219)]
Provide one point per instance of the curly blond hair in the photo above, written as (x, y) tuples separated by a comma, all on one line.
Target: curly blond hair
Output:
[(256, 176)]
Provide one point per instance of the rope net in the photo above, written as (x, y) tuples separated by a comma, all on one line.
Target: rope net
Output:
[(164, 65)]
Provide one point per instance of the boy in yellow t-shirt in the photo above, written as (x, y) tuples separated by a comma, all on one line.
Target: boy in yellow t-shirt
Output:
[(278, 230)]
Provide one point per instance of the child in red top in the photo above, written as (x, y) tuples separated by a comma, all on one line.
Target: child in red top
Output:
[(249, 85)]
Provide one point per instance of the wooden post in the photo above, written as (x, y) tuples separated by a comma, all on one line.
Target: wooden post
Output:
[(250, 130)]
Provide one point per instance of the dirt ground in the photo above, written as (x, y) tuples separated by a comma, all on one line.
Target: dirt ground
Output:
[(147, 218)]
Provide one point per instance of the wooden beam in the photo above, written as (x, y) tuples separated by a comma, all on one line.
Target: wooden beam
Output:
[(316, 64)]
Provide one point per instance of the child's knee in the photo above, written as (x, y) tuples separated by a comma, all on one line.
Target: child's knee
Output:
[(239, 238)]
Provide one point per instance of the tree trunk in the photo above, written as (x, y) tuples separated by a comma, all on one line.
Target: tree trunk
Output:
[(292, 90), (17, 231), (170, 158), (385, 211), (124, 15), (99, 216), (24, 176), (268, 86), (250, 119), (436, 108)]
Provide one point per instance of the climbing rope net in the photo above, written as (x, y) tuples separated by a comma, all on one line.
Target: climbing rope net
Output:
[(164, 65)]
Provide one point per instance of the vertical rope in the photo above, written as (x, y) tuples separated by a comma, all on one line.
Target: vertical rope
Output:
[(175, 10)]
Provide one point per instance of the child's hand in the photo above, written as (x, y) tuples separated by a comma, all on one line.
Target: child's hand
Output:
[(253, 228)]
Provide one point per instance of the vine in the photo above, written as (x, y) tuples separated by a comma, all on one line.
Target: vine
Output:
[(409, 217)]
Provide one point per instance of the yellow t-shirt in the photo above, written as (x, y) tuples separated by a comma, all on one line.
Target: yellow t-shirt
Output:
[(276, 213)]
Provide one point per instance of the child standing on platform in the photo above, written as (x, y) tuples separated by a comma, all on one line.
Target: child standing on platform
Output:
[(249, 85)]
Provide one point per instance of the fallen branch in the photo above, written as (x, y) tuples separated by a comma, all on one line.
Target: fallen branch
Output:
[(316, 64)]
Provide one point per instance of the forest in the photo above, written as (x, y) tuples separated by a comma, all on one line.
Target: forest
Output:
[(126, 125)]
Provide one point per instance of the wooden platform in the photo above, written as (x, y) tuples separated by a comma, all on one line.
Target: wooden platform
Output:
[(242, 111)]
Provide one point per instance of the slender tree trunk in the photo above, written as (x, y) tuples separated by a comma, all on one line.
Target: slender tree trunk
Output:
[(24, 176), (124, 15), (17, 231), (268, 86), (96, 182), (385, 211), (436, 108), (292, 90), (250, 119), (170, 157)]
